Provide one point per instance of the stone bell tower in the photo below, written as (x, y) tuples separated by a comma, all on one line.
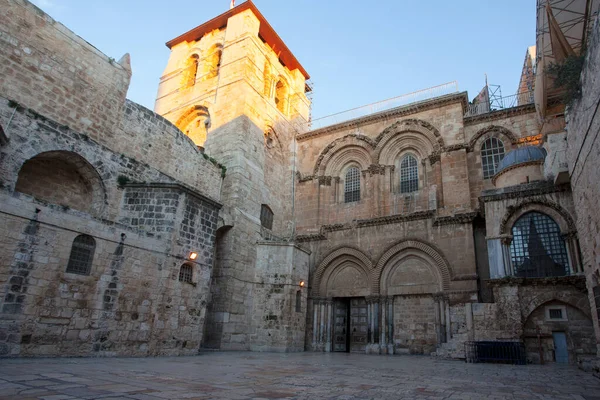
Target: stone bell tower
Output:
[(236, 90)]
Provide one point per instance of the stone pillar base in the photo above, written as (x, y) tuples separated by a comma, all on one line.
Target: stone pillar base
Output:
[(373, 348)]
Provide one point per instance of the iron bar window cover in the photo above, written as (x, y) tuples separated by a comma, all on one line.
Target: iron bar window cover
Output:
[(185, 273), (537, 249), (409, 174), (266, 217), (352, 185), (492, 151), (82, 254)]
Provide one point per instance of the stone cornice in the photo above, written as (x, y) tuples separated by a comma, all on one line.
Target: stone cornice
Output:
[(393, 113), (500, 114), (456, 219), (391, 219), (521, 191), (313, 237), (574, 280)]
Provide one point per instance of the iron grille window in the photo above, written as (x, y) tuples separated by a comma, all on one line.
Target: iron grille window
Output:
[(82, 254), (555, 313), (266, 217), (492, 151), (185, 273), (352, 185), (409, 174), (537, 248)]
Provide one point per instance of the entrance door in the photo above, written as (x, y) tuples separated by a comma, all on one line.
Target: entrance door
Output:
[(340, 328), (560, 347), (358, 325)]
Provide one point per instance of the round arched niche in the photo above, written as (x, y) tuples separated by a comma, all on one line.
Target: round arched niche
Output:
[(410, 272), (346, 279), (64, 178)]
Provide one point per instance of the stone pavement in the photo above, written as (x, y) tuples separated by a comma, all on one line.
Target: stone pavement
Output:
[(238, 375)]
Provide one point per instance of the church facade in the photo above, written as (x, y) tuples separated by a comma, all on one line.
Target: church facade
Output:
[(226, 220)]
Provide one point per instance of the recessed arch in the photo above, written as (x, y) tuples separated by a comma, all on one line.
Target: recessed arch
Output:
[(500, 132), (194, 123), (347, 256), (578, 301), (360, 143), (64, 178), (419, 134), (414, 247)]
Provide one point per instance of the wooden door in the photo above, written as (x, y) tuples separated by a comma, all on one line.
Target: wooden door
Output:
[(358, 325), (340, 325)]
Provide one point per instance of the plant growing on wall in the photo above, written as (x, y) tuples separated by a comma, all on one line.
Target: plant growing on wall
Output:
[(567, 76)]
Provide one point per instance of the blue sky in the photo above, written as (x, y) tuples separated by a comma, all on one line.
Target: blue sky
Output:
[(356, 52)]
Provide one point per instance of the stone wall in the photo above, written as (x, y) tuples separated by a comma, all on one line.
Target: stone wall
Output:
[(584, 162)]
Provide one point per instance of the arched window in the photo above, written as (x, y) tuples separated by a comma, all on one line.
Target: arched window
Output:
[(352, 185), (409, 174), (267, 80), (213, 61), (281, 96), (266, 217), (191, 71), (185, 273), (82, 254), (537, 248), (492, 151)]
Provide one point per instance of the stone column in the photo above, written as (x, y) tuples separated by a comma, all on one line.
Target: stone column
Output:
[(315, 305), (390, 325), (322, 324), (448, 322), (329, 324), (508, 267), (572, 245), (383, 326), (369, 331)]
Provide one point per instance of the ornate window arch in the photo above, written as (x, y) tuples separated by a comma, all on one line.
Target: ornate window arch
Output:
[(82, 255), (352, 184), (409, 173), (195, 123), (537, 248), (212, 62), (492, 152)]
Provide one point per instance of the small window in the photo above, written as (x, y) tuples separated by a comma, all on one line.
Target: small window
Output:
[(352, 185), (409, 174), (556, 313), (185, 273), (492, 152), (191, 70), (299, 301), (266, 217), (82, 254), (281, 94)]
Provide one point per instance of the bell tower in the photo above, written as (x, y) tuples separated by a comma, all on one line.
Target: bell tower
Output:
[(235, 64), (236, 90)]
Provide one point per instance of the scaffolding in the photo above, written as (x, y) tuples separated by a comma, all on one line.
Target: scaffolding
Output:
[(385, 105)]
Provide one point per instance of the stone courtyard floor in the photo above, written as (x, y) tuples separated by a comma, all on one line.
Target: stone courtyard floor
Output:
[(291, 376)]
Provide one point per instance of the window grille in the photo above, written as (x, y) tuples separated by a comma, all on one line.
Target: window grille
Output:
[(82, 254), (537, 248), (492, 151), (185, 273), (409, 174), (352, 185), (266, 217), (555, 313), (299, 301)]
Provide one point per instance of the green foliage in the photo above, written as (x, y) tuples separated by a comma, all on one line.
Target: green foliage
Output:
[(567, 76), (122, 180), (13, 104)]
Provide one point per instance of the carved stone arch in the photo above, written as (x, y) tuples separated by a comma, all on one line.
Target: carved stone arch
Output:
[(336, 258), (579, 301), (408, 125), (402, 142), (489, 131), (440, 261), (354, 140), (550, 208)]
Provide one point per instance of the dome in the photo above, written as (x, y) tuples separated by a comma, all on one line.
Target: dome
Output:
[(521, 155)]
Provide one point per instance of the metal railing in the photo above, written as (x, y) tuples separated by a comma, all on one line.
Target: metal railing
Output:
[(500, 103), (384, 105), (495, 352)]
